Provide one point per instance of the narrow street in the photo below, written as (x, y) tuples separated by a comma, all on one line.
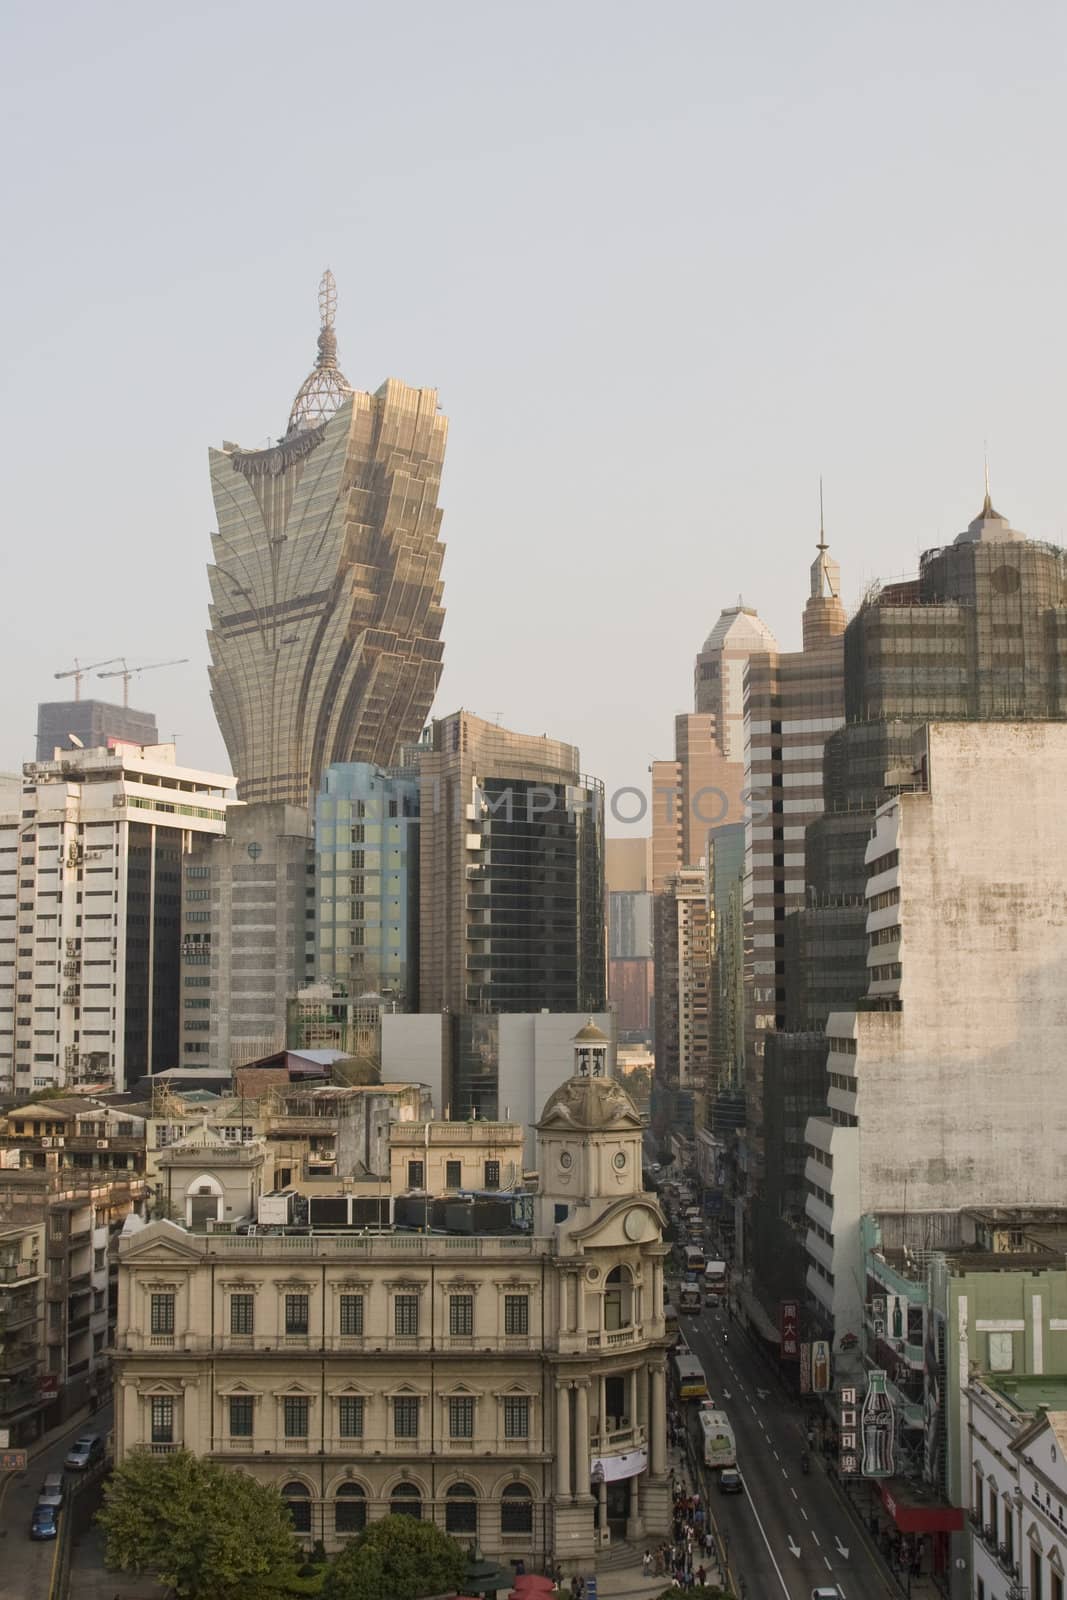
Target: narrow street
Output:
[(788, 1532), (27, 1562)]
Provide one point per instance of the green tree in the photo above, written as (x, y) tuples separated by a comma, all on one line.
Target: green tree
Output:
[(208, 1532), (399, 1558)]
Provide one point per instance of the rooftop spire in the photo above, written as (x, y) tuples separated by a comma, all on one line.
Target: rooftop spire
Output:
[(987, 504), (326, 388), (822, 545)]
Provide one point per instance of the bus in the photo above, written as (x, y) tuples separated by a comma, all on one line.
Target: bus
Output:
[(690, 1297), (670, 1322), (720, 1446), (715, 1280), (689, 1376), (694, 1260)]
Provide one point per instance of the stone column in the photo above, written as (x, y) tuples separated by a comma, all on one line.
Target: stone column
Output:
[(602, 1407), (581, 1437), (563, 1441), (634, 1408), (657, 1451), (635, 1522), (580, 1282), (602, 1509)]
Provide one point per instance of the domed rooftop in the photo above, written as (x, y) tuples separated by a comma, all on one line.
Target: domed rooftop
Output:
[(591, 1034), (590, 1105), (325, 389), (742, 627)]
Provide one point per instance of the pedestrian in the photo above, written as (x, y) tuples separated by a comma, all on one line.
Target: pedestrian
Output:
[(702, 1576)]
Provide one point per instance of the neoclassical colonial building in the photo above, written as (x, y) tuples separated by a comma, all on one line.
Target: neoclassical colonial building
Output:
[(511, 1387)]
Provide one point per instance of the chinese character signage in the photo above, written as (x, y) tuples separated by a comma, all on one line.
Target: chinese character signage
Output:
[(789, 1329), (848, 1456), (877, 1429), (820, 1366), (805, 1369)]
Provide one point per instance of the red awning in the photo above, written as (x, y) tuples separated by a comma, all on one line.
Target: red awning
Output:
[(913, 1511)]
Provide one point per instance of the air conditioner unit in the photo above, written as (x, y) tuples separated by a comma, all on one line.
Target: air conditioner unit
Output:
[(101, 1144), (46, 1144)]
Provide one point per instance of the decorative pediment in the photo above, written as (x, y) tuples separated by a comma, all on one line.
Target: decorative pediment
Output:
[(347, 1389), (630, 1221), (519, 1388), (150, 1387), (163, 1243), (238, 1391), (460, 1391), (1034, 1535), (295, 1388), (1055, 1560)]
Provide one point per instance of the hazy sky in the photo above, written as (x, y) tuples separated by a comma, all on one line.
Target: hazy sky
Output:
[(665, 266)]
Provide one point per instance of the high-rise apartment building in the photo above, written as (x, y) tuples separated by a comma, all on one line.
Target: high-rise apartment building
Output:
[(91, 914), (247, 935), (367, 881), (512, 873), (90, 724), (944, 1088), (794, 700), (629, 935), (326, 581)]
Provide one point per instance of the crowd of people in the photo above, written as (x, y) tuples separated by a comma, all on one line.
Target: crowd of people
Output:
[(688, 1556)]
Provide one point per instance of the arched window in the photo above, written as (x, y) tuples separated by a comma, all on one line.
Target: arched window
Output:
[(516, 1509), (461, 1509), (618, 1299), (350, 1509), (297, 1497), (406, 1501)]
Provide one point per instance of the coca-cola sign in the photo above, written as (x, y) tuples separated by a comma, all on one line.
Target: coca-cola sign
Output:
[(877, 1429)]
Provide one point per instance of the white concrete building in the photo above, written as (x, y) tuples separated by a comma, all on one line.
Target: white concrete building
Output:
[(90, 913), (947, 1089), (1018, 1515)]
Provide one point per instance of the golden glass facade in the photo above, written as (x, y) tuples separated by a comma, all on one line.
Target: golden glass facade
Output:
[(326, 591)]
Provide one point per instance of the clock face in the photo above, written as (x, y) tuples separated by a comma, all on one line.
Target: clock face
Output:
[(620, 1160), (635, 1224), (566, 1160)]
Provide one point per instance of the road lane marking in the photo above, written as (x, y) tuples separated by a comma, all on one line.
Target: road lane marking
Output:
[(793, 1492), (829, 1568), (815, 1536), (766, 1541), (794, 1549), (803, 1513)]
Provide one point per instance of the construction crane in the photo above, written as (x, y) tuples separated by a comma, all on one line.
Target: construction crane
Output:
[(77, 672), (126, 673)]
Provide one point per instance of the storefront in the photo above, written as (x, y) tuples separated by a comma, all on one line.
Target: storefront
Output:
[(919, 1526)]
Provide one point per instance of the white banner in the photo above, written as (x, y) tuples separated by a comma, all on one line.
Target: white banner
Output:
[(627, 1465)]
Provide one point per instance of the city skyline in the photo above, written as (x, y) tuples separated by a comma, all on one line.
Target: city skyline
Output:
[(790, 333)]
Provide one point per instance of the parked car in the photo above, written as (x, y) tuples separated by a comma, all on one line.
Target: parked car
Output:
[(52, 1488), (84, 1452), (730, 1481), (44, 1524)]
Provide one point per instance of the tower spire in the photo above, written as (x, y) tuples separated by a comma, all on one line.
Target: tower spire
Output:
[(987, 504), (326, 388), (822, 545)]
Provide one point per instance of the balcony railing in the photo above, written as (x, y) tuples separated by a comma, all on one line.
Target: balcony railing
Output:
[(370, 1445), (614, 1338)]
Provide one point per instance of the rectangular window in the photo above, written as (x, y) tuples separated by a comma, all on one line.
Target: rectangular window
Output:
[(350, 1416), (416, 1173), (351, 1314), (296, 1416), (461, 1315), (516, 1416), (242, 1313), (162, 1419), (492, 1174), (241, 1417), (461, 1417), (162, 1313), (516, 1313), (453, 1174), (296, 1313), (406, 1315), (405, 1416)]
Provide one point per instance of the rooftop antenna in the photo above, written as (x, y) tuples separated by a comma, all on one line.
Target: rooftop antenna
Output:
[(987, 504), (822, 526)]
